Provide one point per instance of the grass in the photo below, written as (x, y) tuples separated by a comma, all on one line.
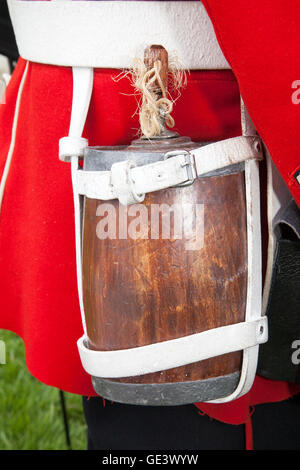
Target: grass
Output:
[(30, 412)]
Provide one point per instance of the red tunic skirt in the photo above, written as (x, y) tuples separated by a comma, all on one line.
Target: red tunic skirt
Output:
[(38, 288)]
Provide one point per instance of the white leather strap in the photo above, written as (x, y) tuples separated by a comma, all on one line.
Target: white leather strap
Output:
[(90, 359), (129, 184), (4, 77), (82, 91), (110, 34), (174, 353), (227, 152), (13, 136), (73, 145)]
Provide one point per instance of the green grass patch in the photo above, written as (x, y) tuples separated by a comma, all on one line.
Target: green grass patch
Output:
[(30, 412)]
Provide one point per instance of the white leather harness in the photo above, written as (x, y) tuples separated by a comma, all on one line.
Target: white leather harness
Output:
[(129, 184)]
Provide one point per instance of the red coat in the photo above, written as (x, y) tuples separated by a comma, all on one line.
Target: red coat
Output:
[(261, 44)]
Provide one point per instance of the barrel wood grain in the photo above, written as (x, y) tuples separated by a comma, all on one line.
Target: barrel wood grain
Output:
[(138, 292)]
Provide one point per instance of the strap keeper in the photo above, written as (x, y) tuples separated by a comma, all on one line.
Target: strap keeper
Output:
[(123, 184), (71, 147)]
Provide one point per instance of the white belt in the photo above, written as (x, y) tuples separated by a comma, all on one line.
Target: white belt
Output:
[(173, 353), (129, 184), (110, 34)]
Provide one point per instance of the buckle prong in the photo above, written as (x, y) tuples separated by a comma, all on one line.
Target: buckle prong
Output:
[(189, 163)]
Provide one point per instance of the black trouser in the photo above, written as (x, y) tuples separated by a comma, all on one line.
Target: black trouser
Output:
[(128, 427), (8, 46)]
